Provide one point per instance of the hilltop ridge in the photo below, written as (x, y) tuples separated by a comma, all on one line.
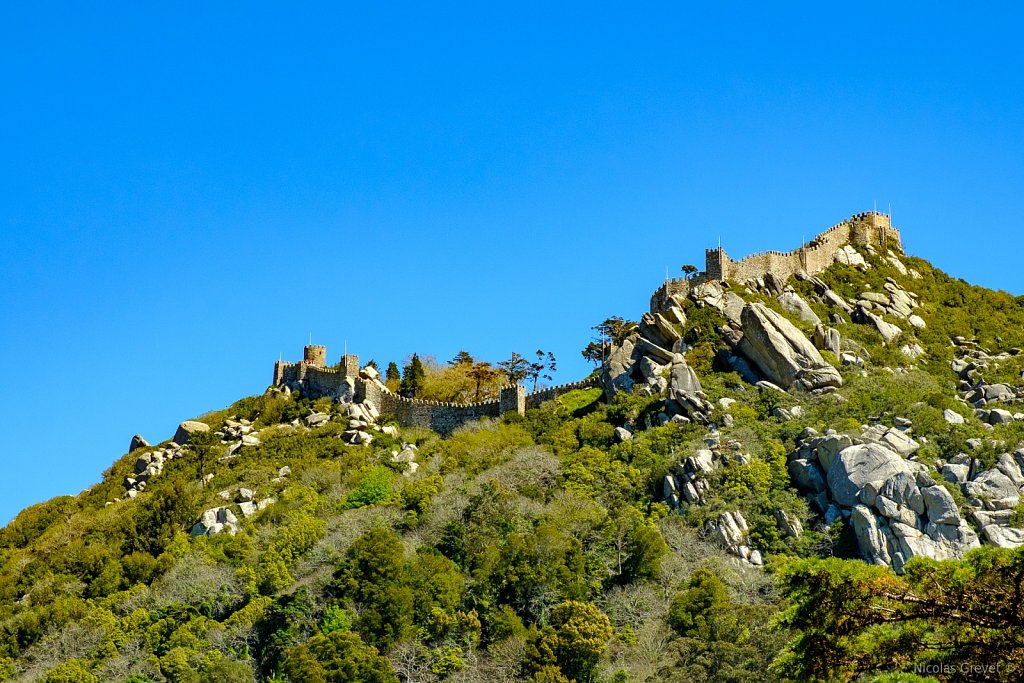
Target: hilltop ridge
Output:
[(765, 437)]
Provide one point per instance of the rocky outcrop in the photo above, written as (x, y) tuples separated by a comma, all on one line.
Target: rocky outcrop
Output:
[(792, 303), (850, 256), (214, 521), (688, 482), (1003, 536), (362, 421), (859, 466), (827, 339), (137, 443), (406, 456), (617, 374), (186, 429), (686, 397), (782, 353), (732, 532), (888, 331), (147, 466), (895, 505), (716, 295)]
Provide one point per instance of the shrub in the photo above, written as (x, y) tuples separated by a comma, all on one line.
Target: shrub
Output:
[(374, 487), (335, 657), (71, 671)]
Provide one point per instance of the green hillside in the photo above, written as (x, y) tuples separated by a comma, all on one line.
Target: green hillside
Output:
[(558, 545)]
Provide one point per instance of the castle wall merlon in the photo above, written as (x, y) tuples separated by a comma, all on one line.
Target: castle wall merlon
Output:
[(868, 228), (316, 381)]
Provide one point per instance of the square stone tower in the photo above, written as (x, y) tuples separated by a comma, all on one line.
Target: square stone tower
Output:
[(513, 399), (350, 365)]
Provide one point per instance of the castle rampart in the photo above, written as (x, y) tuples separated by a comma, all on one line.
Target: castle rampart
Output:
[(442, 417), (868, 228)]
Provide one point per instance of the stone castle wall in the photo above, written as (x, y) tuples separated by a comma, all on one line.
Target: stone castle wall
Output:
[(871, 227), (551, 393), (442, 417), (864, 228), (314, 380)]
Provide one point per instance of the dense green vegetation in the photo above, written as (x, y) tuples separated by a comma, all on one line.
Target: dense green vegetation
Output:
[(536, 548)]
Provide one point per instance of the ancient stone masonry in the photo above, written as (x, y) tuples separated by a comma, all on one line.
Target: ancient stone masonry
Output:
[(348, 383), (869, 228)]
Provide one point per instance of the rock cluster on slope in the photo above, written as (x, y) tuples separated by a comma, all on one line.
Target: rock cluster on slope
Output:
[(969, 367), (781, 352), (147, 466), (895, 506), (651, 361), (898, 507)]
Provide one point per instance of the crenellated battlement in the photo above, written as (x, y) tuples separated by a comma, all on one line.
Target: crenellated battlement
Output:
[(869, 228), (441, 416)]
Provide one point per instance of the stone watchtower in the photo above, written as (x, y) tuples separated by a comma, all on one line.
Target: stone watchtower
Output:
[(876, 229), (350, 365), (512, 399), (315, 355)]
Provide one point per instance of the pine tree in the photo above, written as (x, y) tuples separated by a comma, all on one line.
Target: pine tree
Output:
[(413, 378), (515, 368), (542, 368), (462, 358)]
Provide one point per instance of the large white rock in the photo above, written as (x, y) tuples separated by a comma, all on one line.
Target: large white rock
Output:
[(1008, 466), (806, 475), (789, 526), (828, 448), (995, 490), (683, 377), (940, 505), (900, 442), (617, 371), (902, 489), (791, 302), (187, 428), (952, 417), (1003, 536), (874, 546), (827, 339), (849, 255), (859, 465), (888, 331), (781, 352), (650, 369), (317, 419), (951, 542)]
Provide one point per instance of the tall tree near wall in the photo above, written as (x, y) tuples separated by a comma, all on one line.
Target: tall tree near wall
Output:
[(482, 373), (542, 367), (462, 358), (515, 368), (413, 378), (614, 330)]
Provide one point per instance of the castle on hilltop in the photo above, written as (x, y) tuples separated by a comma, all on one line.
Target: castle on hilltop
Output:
[(348, 382), (870, 228)]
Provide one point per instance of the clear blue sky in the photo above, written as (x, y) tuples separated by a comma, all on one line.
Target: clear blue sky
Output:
[(189, 189)]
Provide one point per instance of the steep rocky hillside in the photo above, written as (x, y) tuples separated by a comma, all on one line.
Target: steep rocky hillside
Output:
[(816, 478)]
